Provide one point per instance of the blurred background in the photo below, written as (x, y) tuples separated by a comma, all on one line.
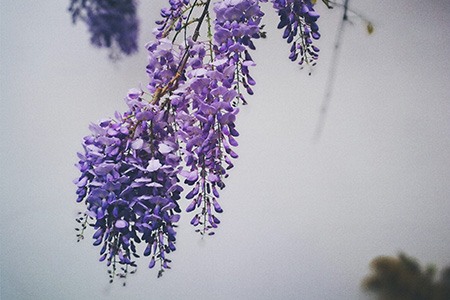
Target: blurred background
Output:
[(302, 218)]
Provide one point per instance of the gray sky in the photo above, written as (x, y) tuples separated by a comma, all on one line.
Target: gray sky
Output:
[(302, 220)]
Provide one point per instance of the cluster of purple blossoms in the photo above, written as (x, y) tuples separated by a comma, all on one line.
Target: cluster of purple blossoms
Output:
[(299, 20), (174, 18), (129, 184), (163, 63), (207, 102), (112, 23), (202, 81), (132, 167), (206, 128), (237, 24)]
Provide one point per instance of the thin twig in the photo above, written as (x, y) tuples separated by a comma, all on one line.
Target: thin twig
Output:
[(331, 76)]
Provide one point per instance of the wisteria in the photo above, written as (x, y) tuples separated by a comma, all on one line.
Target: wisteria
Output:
[(130, 185), (299, 20), (179, 133), (112, 23)]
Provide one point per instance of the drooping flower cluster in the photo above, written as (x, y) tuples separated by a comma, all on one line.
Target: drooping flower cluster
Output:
[(132, 166), (203, 80), (130, 185), (174, 18), (299, 20), (206, 127), (112, 23), (237, 24)]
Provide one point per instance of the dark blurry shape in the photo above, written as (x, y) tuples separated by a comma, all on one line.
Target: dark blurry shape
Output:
[(370, 27), (112, 23), (327, 3), (443, 286), (402, 278)]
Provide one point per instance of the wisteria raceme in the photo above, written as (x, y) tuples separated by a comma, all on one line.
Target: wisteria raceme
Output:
[(174, 18), (206, 127), (182, 129), (210, 93), (164, 59), (112, 23), (237, 24), (208, 88), (299, 20), (130, 184)]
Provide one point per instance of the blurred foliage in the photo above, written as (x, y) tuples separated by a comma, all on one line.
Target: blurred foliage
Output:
[(402, 278)]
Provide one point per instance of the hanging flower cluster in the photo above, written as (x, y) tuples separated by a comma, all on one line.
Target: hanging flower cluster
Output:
[(299, 20), (112, 23), (130, 183), (181, 130)]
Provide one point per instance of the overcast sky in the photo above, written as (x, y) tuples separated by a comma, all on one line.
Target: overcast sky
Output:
[(302, 219)]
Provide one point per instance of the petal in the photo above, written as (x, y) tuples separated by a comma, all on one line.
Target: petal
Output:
[(217, 207), (82, 182), (121, 224), (190, 176), (153, 165), (164, 148), (134, 93), (191, 206), (104, 169), (137, 144), (152, 262)]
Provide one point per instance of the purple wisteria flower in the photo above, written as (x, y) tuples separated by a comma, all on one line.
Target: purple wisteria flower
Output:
[(174, 18), (112, 23), (129, 183), (182, 129), (206, 127), (299, 20), (206, 105), (164, 59), (202, 82), (237, 25)]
